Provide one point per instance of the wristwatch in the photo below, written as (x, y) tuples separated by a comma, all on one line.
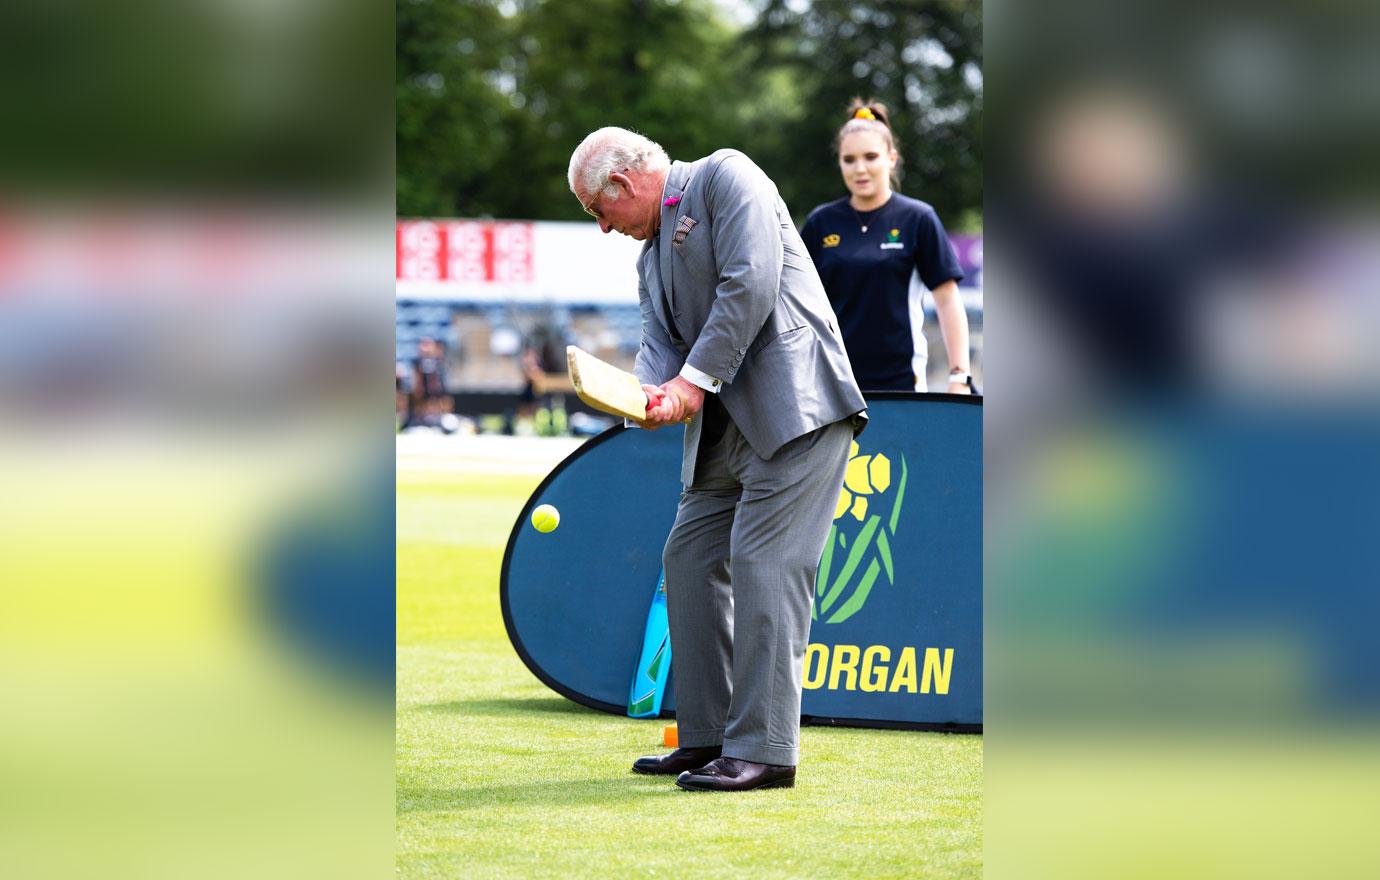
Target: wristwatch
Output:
[(963, 378)]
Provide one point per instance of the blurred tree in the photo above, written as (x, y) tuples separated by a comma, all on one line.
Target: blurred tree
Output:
[(492, 97), (661, 67), (491, 103), (452, 123), (922, 58)]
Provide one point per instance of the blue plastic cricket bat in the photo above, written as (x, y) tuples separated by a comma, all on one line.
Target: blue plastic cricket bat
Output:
[(654, 666)]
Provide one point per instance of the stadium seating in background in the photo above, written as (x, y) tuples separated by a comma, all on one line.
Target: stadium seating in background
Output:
[(484, 342)]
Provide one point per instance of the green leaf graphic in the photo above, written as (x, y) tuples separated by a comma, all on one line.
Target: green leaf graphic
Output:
[(900, 496), (860, 545), (859, 596), (884, 550)]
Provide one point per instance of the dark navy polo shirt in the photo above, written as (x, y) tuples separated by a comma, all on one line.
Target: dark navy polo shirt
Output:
[(867, 276)]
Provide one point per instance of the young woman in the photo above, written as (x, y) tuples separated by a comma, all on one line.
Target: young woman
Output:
[(868, 246)]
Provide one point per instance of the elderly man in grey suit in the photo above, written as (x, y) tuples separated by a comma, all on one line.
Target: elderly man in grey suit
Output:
[(739, 342)]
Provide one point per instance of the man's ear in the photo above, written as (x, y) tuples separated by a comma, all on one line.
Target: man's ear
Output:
[(623, 182)]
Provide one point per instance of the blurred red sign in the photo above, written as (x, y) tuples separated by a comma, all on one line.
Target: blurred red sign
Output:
[(464, 251)]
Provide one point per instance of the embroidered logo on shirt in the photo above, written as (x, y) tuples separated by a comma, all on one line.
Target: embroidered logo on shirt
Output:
[(831, 241), (893, 241)]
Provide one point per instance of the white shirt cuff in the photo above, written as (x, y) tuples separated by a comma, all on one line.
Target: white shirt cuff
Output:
[(700, 379)]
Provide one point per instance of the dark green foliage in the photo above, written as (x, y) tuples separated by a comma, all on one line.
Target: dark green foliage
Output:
[(453, 126), (891, 50), (492, 98)]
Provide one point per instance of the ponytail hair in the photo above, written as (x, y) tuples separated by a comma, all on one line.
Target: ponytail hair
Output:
[(870, 115)]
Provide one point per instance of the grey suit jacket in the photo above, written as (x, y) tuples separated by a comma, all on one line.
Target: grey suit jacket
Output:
[(731, 289)]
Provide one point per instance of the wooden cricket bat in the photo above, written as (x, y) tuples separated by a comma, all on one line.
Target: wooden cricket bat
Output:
[(604, 386)]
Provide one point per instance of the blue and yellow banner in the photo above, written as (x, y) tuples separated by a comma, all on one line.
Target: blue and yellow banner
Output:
[(896, 639)]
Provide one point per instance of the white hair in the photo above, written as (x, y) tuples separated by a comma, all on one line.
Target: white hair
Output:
[(608, 150)]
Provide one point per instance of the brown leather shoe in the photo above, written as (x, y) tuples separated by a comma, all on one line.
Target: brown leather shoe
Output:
[(678, 761), (734, 774)]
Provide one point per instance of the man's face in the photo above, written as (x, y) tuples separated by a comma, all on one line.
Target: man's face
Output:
[(634, 213)]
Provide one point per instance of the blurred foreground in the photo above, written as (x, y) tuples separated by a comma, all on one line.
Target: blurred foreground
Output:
[(196, 636), (196, 580), (1183, 448)]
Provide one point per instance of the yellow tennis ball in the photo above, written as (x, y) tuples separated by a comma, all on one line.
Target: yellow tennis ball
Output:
[(545, 518)]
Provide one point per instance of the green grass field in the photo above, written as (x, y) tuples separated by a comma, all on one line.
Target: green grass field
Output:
[(497, 776)]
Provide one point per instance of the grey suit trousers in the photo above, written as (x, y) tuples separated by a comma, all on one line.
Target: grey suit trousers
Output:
[(740, 569)]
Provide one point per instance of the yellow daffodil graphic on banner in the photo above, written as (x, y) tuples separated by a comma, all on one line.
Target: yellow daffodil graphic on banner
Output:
[(858, 551)]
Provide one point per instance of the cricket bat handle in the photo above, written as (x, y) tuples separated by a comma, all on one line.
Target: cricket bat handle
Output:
[(653, 401)]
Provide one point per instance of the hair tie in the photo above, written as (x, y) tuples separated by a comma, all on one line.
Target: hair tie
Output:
[(864, 113)]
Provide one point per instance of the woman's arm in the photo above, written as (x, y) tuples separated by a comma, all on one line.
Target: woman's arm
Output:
[(953, 325)]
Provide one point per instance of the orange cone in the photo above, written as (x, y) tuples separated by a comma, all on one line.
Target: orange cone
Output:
[(668, 735)]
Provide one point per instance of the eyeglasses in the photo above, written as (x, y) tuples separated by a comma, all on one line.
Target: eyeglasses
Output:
[(590, 209)]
